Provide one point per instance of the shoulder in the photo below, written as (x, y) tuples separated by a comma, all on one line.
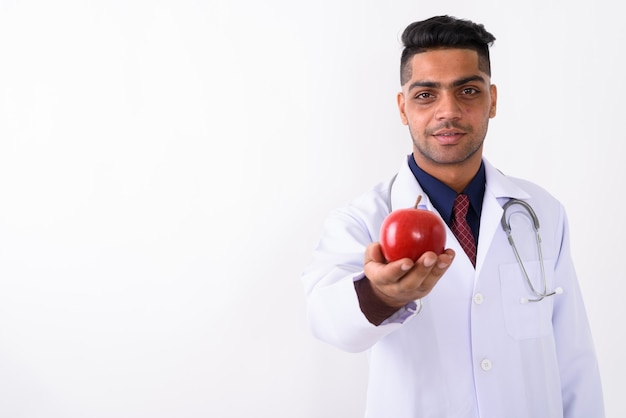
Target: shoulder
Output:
[(362, 215), (536, 191), (374, 200), (507, 186)]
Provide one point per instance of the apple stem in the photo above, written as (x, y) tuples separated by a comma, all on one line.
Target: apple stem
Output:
[(419, 197)]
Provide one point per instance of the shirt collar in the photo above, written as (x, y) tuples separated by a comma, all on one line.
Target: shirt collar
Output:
[(442, 196)]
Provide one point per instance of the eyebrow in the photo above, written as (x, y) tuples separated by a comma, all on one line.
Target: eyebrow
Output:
[(456, 83)]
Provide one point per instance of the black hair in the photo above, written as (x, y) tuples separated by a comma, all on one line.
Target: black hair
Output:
[(441, 32)]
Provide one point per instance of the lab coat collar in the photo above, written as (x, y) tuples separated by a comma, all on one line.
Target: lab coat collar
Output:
[(500, 186), (498, 190), (405, 188)]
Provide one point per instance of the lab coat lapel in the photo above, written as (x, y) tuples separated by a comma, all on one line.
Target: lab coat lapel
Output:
[(405, 190), (498, 190)]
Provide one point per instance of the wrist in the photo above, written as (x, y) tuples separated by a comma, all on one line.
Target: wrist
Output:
[(375, 306)]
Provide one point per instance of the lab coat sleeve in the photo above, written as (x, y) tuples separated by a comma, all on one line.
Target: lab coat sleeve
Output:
[(580, 376), (333, 308)]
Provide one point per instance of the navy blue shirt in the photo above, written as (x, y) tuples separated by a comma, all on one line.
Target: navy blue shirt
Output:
[(442, 197)]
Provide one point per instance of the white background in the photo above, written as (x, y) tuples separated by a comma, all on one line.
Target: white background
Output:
[(165, 167)]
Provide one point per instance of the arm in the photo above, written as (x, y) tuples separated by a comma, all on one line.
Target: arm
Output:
[(580, 376), (338, 305)]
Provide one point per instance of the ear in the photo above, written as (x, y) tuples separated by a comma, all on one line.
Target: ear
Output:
[(493, 91), (401, 103)]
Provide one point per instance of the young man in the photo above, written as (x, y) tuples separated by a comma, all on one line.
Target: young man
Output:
[(462, 333)]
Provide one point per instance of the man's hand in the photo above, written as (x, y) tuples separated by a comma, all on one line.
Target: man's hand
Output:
[(401, 281)]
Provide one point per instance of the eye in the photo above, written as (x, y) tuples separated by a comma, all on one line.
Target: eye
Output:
[(424, 95), (469, 91)]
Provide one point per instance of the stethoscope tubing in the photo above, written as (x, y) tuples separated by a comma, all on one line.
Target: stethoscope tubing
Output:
[(506, 226)]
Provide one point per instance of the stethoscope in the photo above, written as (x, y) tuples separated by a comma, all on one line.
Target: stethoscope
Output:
[(506, 226)]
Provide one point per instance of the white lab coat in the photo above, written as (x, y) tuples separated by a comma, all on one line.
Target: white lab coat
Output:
[(472, 349)]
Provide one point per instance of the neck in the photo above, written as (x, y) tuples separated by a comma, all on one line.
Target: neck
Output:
[(455, 175)]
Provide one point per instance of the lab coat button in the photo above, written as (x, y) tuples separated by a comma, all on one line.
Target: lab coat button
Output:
[(486, 365), (478, 298)]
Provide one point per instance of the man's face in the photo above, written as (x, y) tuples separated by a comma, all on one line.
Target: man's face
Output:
[(447, 104)]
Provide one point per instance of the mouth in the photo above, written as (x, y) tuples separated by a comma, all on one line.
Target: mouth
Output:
[(448, 137)]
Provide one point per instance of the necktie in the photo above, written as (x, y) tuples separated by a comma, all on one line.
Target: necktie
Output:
[(461, 228)]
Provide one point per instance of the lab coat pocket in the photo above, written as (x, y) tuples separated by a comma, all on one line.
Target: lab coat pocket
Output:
[(524, 318)]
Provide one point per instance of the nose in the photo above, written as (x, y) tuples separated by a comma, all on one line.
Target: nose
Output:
[(448, 107)]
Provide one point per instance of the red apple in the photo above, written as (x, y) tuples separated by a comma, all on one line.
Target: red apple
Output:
[(410, 232)]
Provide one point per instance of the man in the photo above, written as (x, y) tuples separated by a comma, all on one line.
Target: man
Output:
[(462, 333)]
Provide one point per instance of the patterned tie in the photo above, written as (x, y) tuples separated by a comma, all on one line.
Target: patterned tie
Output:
[(461, 228)]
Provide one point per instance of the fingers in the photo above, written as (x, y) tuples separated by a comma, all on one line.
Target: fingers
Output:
[(437, 264), (428, 270), (379, 270), (403, 280)]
